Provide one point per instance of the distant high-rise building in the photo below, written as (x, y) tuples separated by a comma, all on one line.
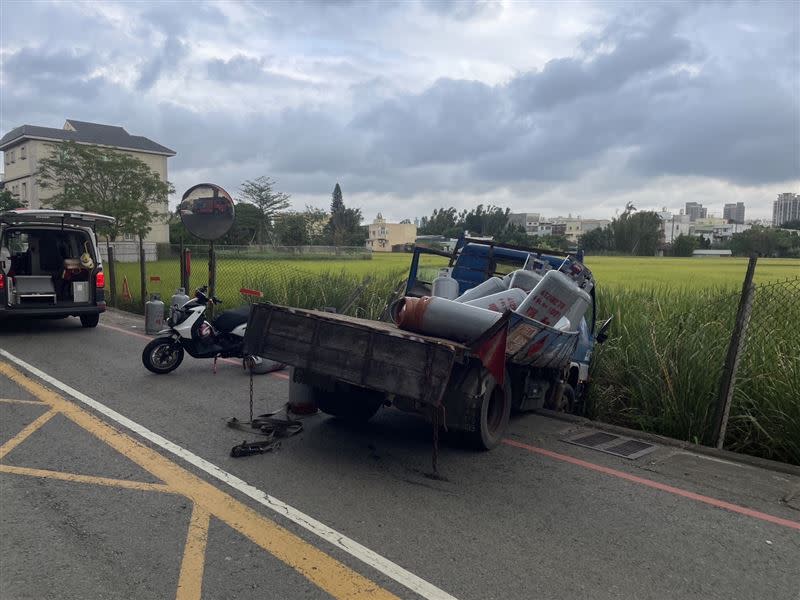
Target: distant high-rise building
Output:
[(786, 208), (734, 213), (695, 211)]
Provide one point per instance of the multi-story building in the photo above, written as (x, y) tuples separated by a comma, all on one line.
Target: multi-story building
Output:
[(696, 211), (574, 228), (384, 237), (529, 221), (734, 213), (673, 225), (24, 146), (786, 208)]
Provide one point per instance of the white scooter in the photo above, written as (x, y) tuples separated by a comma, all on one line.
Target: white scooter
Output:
[(190, 331)]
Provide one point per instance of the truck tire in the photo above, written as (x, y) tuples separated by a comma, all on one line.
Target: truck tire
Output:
[(491, 418), (349, 402), (564, 400)]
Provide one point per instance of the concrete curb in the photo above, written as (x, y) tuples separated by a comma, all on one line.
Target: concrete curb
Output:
[(735, 457)]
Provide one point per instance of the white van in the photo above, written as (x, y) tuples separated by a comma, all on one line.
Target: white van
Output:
[(50, 265)]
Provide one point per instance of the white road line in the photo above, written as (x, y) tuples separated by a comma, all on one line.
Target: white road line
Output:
[(353, 548)]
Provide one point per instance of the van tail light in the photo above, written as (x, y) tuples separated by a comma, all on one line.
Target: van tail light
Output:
[(2, 281), (100, 280)]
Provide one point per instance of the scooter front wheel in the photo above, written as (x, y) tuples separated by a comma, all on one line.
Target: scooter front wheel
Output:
[(162, 355)]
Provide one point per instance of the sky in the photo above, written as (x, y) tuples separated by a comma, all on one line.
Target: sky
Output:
[(561, 108)]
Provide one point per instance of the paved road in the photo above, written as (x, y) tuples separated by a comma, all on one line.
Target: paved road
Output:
[(91, 509)]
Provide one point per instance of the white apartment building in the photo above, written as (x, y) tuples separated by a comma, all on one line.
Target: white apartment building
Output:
[(23, 146), (786, 208)]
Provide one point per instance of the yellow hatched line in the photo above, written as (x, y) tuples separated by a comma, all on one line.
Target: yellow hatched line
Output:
[(326, 572), (26, 432), (90, 479), (15, 401), (190, 582)]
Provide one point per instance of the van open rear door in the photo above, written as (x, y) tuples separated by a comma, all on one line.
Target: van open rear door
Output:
[(23, 216)]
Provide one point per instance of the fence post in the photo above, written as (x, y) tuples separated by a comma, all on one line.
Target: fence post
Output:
[(112, 278), (212, 274), (142, 272), (187, 271), (735, 347)]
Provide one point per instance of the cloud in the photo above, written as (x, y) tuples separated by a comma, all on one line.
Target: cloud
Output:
[(557, 108), (170, 55)]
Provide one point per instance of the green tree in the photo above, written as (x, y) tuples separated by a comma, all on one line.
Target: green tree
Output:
[(598, 240), (261, 193), (637, 233), (443, 221), (291, 229), (685, 245), (9, 201), (793, 224), (515, 234), (107, 182), (765, 241), (344, 227)]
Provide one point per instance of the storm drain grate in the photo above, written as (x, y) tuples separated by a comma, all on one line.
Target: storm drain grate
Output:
[(594, 439), (612, 444), (631, 449)]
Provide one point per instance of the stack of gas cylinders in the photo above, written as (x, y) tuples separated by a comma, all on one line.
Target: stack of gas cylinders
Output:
[(555, 297)]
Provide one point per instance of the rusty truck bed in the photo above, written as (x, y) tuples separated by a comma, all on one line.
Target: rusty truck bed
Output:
[(370, 354)]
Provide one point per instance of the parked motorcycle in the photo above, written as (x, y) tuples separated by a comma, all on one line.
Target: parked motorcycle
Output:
[(189, 331)]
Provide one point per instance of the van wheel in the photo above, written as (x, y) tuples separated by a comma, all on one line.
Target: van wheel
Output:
[(90, 320), (491, 416), (162, 355)]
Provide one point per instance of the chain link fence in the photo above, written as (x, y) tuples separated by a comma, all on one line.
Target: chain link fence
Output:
[(707, 366), (341, 278)]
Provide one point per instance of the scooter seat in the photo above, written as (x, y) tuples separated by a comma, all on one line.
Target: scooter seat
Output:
[(230, 319)]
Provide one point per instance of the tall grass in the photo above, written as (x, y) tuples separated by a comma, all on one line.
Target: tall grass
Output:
[(660, 369), (333, 288)]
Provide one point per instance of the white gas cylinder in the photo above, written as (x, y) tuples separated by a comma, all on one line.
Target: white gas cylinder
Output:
[(501, 301), (444, 318), (555, 296), (524, 280), (488, 287), (444, 286)]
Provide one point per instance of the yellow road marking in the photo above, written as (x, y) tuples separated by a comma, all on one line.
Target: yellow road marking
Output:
[(190, 582), (91, 479), (27, 431), (15, 401), (332, 576)]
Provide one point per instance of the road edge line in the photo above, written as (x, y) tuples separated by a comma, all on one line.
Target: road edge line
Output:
[(369, 557)]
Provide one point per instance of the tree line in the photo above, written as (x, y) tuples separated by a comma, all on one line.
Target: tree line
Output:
[(105, 181)]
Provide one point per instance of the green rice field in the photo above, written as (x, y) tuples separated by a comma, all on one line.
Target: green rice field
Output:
[(660, 368)]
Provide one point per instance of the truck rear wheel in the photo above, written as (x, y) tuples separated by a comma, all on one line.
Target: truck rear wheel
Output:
[(349, 402), (491, 417)]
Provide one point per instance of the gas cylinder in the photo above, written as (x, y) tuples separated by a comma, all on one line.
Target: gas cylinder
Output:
[(501, 301), (444, 318), (490, 286), (153, 315), (444, 286), (555, 296), (524, 280), (179, 298)]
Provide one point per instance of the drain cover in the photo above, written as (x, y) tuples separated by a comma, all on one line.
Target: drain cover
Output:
[(594, 439), (612, 444)]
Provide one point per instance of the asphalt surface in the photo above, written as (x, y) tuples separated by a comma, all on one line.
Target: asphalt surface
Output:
[(534, 518)]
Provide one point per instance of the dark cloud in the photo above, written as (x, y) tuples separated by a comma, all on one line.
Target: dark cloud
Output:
[(647, 93), (169, 57)]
